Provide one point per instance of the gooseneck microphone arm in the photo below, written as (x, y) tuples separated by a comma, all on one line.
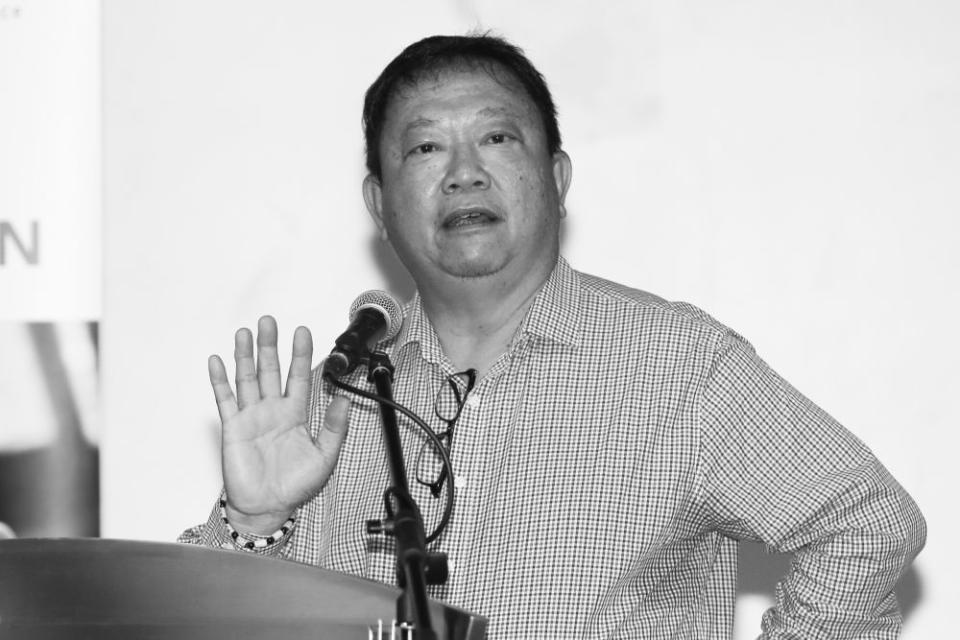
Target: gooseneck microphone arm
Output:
[(415, 567), (375, 316)]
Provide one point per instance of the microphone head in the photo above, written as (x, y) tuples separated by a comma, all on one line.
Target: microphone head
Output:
[(385, 304)]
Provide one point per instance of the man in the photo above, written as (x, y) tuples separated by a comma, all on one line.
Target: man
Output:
[(609, 448)]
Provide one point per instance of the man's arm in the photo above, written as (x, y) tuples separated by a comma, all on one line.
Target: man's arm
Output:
[(778, 469)]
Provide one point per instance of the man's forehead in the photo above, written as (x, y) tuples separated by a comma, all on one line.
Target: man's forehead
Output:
[(500, 96), (484, 113)]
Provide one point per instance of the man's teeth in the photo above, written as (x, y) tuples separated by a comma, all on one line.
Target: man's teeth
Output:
[(472, 217)]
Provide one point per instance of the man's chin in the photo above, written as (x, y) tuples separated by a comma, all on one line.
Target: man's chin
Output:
[(474, 272), (466, 269)]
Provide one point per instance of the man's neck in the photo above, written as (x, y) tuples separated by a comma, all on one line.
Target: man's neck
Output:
[(476, 318)]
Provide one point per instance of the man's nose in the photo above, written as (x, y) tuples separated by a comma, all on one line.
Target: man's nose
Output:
[(466, 171)]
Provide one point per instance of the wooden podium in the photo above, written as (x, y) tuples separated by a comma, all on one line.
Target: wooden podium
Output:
[(91, 588)]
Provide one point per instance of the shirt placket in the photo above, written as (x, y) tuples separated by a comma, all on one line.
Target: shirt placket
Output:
[(482, 441), (465, 455)]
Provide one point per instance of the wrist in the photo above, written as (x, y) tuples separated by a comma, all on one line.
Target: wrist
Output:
[(255, 525), (254, 532)]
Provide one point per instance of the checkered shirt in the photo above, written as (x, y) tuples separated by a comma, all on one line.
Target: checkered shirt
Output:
[(605, 469)]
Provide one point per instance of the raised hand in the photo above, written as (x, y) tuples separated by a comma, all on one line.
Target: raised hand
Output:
[(271, 464)]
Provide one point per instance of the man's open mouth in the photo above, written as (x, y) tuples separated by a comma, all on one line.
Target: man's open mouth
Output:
[(469, 217)]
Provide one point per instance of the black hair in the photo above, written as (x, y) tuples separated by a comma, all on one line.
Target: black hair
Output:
[(436, 54)]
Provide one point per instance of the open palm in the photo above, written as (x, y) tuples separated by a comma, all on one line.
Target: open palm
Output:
[(271, 463)]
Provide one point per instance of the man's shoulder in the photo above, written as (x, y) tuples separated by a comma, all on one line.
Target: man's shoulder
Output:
[(603, 300)]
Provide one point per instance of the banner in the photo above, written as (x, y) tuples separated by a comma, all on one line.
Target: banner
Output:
[(50, 266)]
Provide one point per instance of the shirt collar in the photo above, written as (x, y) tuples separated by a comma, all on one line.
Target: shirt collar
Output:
[(417, 330), (555, 312), (554, 315)]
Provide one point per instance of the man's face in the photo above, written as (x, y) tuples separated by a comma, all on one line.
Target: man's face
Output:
[(468, 187)]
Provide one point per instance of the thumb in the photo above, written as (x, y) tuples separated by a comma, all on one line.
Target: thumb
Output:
[(334, 429)]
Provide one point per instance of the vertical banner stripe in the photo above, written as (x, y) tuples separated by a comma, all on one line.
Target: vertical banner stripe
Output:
[(50, 266)]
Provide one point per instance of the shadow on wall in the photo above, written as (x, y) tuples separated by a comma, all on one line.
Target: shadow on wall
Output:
[(760, 571), (398, 281)]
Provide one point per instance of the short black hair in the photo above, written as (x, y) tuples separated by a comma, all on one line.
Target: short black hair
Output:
[(440, 53)]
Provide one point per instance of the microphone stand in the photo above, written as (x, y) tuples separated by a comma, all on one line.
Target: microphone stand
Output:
[(416, 567)]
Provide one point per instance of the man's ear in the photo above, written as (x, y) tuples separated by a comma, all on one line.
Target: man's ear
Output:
[(562, 174), (373, 197)]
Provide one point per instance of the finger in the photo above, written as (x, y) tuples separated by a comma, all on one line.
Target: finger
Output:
[(248, 390), (268, 361), (298, 380), (222, 392), (334, 429)]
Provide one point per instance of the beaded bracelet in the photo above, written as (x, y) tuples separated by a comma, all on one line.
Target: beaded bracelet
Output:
[(261, 542)]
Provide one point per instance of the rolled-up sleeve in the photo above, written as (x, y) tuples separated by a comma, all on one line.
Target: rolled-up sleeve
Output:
[(777, 469)]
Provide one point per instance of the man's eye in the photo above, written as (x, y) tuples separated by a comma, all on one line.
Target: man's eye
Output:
[(426, 147), (498, 138)]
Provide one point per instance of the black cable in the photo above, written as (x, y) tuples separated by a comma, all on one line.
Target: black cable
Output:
[(448, 507)]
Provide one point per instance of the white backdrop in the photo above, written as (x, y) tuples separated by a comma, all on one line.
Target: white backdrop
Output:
[(790, 167)]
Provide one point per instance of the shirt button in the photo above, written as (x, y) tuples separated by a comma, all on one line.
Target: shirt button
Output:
[(473, 401), (460, 482)]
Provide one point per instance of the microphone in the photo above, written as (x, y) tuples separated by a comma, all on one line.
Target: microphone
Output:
[(374, 316)]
